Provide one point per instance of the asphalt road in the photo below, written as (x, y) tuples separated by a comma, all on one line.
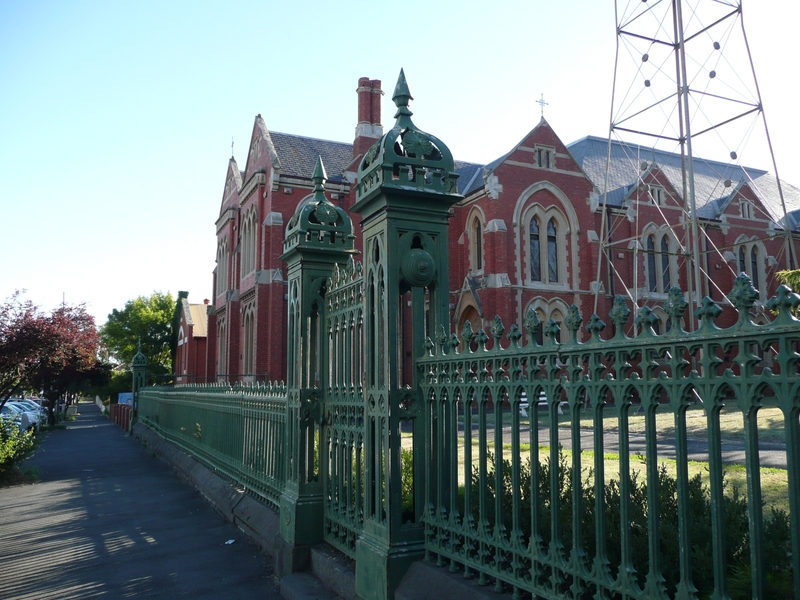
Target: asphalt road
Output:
[(109, 520)]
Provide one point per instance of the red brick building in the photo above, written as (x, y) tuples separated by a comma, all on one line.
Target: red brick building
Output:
[(527, 234), (191, 356)]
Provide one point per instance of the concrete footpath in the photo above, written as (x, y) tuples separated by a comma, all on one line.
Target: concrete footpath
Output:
[(107, 519)]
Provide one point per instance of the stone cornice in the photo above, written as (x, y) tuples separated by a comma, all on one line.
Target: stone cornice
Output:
[(258, 178), (226, 217)]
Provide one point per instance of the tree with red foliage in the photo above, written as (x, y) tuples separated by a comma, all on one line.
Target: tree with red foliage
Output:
[(51, 353), (26, 335), (71, 355)]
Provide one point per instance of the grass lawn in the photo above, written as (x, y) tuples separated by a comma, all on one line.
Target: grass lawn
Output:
[(774, 482), (770, 422)]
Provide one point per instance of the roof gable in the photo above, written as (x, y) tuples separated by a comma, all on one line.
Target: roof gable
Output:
[(233, 184), (715, 182)]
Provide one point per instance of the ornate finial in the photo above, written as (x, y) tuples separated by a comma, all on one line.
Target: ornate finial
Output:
[(552, 330), (401, 98), (139, 345), (573, 321), (319, 178), (646, 319), (675, 306), (785, 302), (514, 335), (532, 325), (325, 213), (497, 328), (595, 326), (743, 295), (467, 333), (620, 313), (707, 312)]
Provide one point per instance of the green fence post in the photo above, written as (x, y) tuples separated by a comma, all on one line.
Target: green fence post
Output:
[(319, 236), (406, 186), (139, 368)]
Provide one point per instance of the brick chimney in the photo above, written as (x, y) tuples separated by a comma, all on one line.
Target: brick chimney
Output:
[(369, 126)]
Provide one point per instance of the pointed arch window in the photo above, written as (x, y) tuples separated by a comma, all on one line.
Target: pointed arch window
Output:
[(536, 267), (665, 278), (546, 241), (652, 285), (750, 256), (661, 265), (552, 251), (475, 237), (754, 266)]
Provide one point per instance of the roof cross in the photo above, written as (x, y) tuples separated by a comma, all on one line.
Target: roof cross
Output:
[(542, 103)]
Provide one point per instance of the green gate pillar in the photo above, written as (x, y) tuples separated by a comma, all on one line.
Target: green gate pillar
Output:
[(319, 235), (406, 186), (139, 368)]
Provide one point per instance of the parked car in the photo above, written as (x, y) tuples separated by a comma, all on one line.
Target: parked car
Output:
[(11, 418), (32, 407), (28, 420)]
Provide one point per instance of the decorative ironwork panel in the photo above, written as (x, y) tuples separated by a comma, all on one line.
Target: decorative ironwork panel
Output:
[(518, 510), (238, 431), (342, 451)]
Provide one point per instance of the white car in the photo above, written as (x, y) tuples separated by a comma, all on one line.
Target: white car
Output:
[(28, 420), (11, 418), (32, 407)]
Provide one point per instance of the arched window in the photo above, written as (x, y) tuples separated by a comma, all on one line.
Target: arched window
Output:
[(652, 285), (660, 262), (546, 310), (552, 251), (478, 245), (750, 256), (248, 323), (222, 358), (544, 242), (222, 266), (475, 237), (536, 268)]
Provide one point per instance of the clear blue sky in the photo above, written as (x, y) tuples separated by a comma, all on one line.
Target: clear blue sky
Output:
[(116, 118)]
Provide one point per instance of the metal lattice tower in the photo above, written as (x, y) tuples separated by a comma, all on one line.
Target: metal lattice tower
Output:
[(684, 83)]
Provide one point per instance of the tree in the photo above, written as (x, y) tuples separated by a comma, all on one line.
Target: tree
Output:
[(71, 355), (147, 319), (26, 338)]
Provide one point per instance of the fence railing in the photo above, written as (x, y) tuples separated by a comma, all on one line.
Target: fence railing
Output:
[(541, 505), (238, 430)]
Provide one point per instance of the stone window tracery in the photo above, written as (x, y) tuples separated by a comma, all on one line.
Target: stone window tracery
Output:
[(546, 246)]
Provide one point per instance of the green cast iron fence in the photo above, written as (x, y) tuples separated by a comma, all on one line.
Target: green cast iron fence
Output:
[(343, 414), (238, 430), (503, 503)]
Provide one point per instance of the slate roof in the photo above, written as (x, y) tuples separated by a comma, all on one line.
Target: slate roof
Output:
[(711, 195), (470, 176), (298, 155)]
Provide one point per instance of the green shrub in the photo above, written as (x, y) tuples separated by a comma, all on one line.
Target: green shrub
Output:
[(14, 446), (777, 542)]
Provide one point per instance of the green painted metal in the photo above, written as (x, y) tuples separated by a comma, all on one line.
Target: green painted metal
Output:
[(238, 430), (406, 186), (319, 235), (647, 373), (375, 375), (139, 370), (342, 456)]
